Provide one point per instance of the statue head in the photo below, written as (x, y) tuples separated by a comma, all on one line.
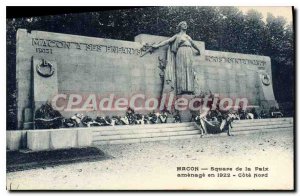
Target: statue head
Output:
[(182, 25)]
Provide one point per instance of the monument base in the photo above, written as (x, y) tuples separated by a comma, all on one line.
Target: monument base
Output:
[(170, 120), (186, 115), (267, 104)]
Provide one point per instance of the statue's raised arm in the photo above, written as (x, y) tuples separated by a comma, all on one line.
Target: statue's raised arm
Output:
[(160, 44), (163, 43)]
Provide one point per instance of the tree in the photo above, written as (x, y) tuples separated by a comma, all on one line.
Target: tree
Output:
[(232, 31), (280, 48), (254, 33)]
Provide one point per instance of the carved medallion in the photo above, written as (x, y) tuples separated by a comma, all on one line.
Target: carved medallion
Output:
[(45, 69), (265, 79)]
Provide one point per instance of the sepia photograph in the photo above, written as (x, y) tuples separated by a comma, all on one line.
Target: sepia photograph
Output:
[(150, 98)]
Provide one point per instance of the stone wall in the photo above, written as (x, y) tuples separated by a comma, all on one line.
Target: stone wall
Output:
[(86, 65)]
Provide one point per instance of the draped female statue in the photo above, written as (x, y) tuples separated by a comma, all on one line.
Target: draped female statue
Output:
[(179, 72)]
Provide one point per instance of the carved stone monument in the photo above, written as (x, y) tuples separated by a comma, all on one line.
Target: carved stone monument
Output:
[(84, 65)]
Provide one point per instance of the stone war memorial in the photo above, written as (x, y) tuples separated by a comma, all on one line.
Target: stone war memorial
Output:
[(53, 66), (150, 98), (77, 79)]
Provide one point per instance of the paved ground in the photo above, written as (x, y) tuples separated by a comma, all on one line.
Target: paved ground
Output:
[(154, 165)]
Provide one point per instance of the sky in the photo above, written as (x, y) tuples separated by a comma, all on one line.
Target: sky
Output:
[(286, 12)]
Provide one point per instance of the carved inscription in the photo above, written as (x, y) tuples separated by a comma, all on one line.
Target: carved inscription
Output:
[(43, 44), (235, 60)]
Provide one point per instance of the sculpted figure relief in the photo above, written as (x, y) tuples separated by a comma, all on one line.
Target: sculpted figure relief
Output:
[(179, 72)]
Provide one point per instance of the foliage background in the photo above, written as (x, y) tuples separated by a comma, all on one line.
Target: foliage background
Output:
[(221, 28)]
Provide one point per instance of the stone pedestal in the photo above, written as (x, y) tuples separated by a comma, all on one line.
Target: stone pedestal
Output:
[(28, 119), (16, 140), (170, 119), (45, 84), (185, 115)]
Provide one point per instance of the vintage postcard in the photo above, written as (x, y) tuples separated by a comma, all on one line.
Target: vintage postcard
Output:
[(151, 98)]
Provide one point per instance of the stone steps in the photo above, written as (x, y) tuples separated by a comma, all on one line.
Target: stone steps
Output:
[(262, 130), (145, 126), (147, 133), (260, 126), (134, 130), (278, 126), (147, 139), (258, 131), (180, 137), (263, 120), (142, 135), (52, 139), (257, 122), (134, 134)]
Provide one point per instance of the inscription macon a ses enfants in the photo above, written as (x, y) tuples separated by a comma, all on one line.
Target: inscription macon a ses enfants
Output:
[(46, 45)]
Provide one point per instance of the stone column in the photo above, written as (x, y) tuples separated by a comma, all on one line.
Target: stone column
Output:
[(45, 85)]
